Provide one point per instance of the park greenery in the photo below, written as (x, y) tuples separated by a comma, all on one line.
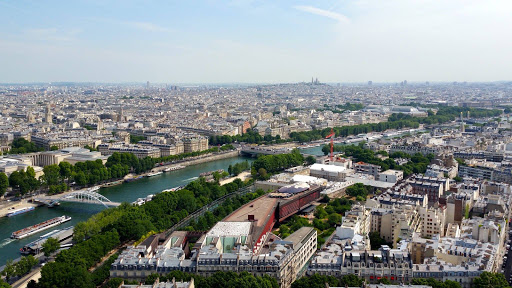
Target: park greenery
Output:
[(327, 216), (435, 283), (100, 274), (238, 168), (106, 230), (418, 162), (50, 246), (376, 241), (21, 146), (58, 178), (134, 139), (4, 284), (250, 136), (275, 163), (19, 268), (320, 281), (487, 280), (396, 121), (209, 219), (23, 182), (165, 210), (4, 183), (219, 279), (358, 190)]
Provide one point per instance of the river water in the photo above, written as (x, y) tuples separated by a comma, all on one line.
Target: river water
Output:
[(127, 192)]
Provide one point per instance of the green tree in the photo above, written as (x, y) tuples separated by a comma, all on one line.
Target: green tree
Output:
[(310, 160), (24, 181), (25, 265), (351, 281), (334, 219), (263, 173), (490, 280), (65, 170), (51, 175), (315, 281), (150, 280), (63, 275), (376, 241), (54, 148), (50, 245), (9, 270), (356, 190), (384, 281), (4, 183), (3, 284), (20, 146), (320, 213), (114, 283)]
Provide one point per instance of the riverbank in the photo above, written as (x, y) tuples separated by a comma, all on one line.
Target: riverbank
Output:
[(200, 159), (197, 160), (242, 176), (7, 207), (16, 205)]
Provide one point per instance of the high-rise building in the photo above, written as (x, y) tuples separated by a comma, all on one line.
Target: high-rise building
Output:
[(48, 114), (147, 85), (462, 128), (370, 83)]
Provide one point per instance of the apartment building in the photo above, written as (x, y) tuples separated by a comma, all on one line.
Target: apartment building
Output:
[(229, 250), (356, 222), (432, 221), (434, 188), (366, 168), (195, 144), (391, 176), (385, 263), (139, 151)]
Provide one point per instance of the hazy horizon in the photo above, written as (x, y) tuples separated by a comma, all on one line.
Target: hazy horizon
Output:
[(266, 42), (163, 84)]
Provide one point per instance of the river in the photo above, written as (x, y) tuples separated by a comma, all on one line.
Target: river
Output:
[(127, 192)]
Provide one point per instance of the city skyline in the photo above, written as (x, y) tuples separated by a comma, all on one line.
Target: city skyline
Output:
[(256, 41)]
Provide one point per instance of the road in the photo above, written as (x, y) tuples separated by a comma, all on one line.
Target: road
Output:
[(508, 263), (33, 275)]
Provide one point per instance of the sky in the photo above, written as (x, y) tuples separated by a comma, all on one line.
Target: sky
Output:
[(247, 41)]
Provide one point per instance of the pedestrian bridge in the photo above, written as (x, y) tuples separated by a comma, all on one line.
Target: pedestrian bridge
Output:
[(82, 196)]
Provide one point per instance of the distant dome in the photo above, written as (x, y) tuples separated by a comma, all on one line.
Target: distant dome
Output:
[(294, 188)]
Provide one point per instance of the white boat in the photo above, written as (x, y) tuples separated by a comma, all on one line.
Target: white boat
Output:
[(154, 174), (20, 211), (25, 232), (173, 189), (174, 168)]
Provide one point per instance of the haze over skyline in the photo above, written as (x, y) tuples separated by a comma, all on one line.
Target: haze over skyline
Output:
[(255, 41)]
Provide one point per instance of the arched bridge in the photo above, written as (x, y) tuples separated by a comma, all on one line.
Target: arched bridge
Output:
[(82, 196)]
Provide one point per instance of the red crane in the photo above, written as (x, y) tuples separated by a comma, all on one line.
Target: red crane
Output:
[(332, 144)]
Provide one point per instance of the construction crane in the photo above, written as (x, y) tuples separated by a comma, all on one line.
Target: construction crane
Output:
[(332, 145)]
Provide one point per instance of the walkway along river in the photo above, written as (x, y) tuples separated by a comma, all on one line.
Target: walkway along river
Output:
[(127, 192)]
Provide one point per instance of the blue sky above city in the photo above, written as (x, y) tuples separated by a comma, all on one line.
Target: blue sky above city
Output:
[(255, 41)]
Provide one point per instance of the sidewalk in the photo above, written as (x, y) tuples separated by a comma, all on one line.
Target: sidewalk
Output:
[(242, 176), (4, 209)]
